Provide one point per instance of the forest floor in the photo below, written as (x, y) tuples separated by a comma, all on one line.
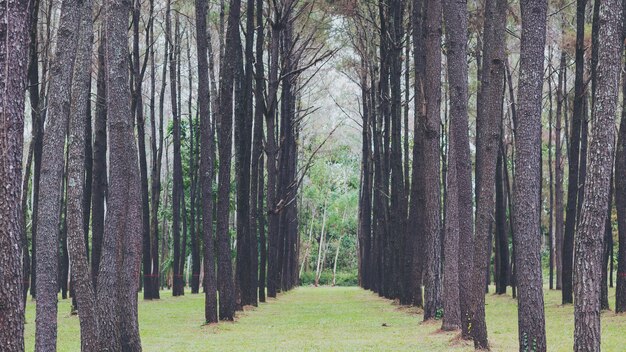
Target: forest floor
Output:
[(327, 319)]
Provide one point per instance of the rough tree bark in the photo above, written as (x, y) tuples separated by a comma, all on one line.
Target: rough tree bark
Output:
[(99, 175), (206, 165), (526, 211), (226, 285), (14, 26), (574, 155), (82, 283), (458, 207), (620, 202), (118, 280), (52, 169), (589, 237), (432, 121), (488, 129)]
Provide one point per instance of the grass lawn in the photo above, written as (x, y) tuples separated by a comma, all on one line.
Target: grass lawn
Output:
[(328, 319)]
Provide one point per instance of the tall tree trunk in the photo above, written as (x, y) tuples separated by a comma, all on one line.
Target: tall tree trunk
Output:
[(257, 190), (13, 60), (99, 175), (574, 155), (432, 267), (558, 173), (526, 211), (82, 283), (156, 161), (502, 230), (416, 211), (206, 165), (488, 141), (243, 143), (620, 202), (52, 169), (459, 163), (177, 180), (143, 164), (588, 249), (37, 116), (118, 280), (225, 122)]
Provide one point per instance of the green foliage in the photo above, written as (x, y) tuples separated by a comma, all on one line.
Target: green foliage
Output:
[(326, 279)]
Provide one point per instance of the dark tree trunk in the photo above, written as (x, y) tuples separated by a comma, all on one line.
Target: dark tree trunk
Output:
[(558, 173), (155, 171), (99, 175), (488, 128), (620, 202), (257, 208), (177, 288), (606, 248), (459, 163), (13, 60), (225, 125), (243, 144), (52, 170), (118, 280), (82, 284), (416, 211), (574, 155), (206, 165), (526, 211), (36, 145), (433, 255), (143, 164), (502, 230), (589, 237)]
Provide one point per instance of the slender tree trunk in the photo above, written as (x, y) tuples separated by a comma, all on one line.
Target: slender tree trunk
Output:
[(82, 283), (416, 212), (620, 202), (143, 164), (558, 172), (573, 156), (99, 175), (526, 211), (14, 21), (52, 169), (227, 73), (588, 249), (206, 165), (488, 128), (459, 163)]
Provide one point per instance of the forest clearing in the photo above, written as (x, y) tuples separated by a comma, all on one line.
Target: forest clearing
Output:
[(329, 319)]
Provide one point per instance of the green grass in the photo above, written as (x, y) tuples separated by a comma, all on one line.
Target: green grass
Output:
[(328, 319)]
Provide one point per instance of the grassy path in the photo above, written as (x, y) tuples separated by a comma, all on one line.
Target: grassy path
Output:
[(327, 319)]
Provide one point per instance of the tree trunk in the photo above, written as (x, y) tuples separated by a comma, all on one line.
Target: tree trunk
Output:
[(13, 60), (488, 128), (206, 165), (558, 173), (526, 211), (574, 155), (52, 169), (118, 279), (458, 216), (82, 283), (588, 249), (143, 164), (99, 175), (227, 72), (432, 267), (620, 204)]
